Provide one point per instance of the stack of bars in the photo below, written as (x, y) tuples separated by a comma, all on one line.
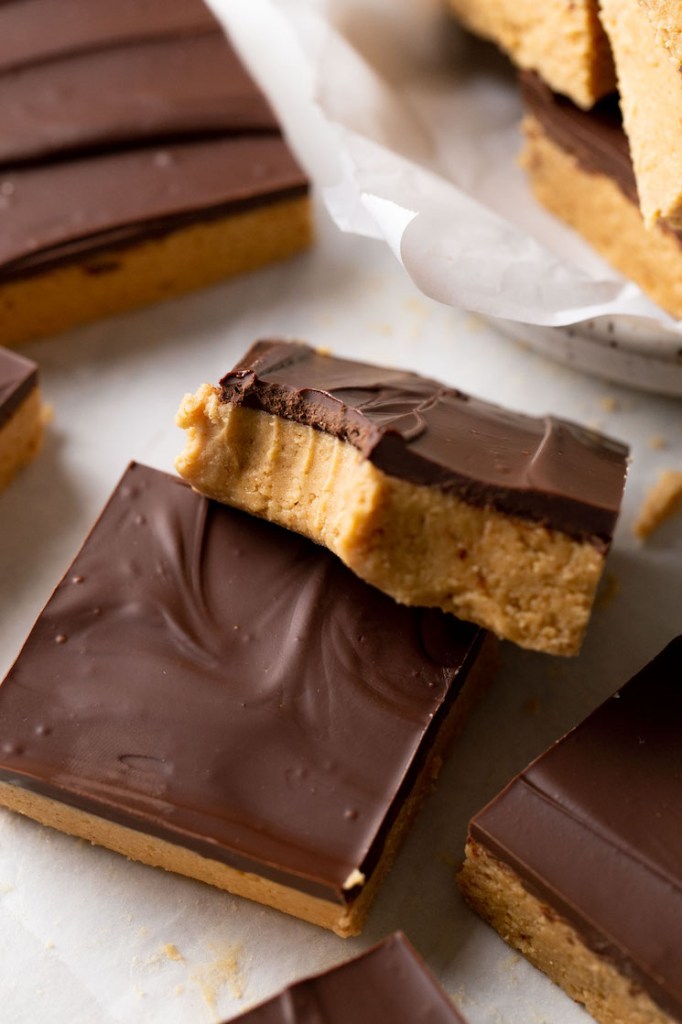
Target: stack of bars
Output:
[(608, 164), (138, 160), (210, 693)]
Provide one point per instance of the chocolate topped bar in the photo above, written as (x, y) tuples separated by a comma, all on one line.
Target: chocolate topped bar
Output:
[(209, 679), (593, 829), (416, 429), (18, 377), (389, 984), (595, 138), (125, 123), (116, 199)]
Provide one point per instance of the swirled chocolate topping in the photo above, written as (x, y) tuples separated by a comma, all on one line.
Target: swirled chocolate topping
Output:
[(18, 377), (595, 137), (123, 121), (414, 428), (593, 828), (216, 681), (387, 985)]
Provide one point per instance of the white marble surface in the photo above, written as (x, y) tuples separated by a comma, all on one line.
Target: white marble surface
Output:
[(85, 935)]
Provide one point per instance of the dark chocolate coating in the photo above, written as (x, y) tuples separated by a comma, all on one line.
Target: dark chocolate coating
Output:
[(389, 984), (122, 197), (594, 829), (211, 679), (414, 428), (165, 88), (37, 31), (18, 377), (124, 121), (594, 137)]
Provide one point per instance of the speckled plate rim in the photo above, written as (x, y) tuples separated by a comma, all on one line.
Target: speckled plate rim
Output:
[(622, 350)]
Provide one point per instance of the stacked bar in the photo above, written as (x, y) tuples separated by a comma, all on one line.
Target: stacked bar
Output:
[(561, 40), (138, 160), (430, 495), (609, 166)]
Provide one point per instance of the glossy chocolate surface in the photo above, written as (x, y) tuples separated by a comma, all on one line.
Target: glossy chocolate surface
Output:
[(206, 677), (387, 985), (18, 377), (124, 121), (419, 430), (595, 137), (36, 31), (594, 828), (121, 197)]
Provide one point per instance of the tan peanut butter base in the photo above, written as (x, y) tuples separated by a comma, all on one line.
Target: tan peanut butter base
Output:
[(666, 17), (650, 88), (551, 944), (561, 39), (155, 269), (20, 437), (596, 207), (526, 583)]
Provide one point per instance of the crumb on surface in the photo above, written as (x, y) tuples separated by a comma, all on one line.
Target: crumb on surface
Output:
[(224, 969), (171, 951), (657, 442), (608, 403), (660, 503)]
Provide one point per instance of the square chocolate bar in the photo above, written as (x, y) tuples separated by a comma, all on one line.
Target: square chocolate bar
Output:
[(211, 694), (578, 863)]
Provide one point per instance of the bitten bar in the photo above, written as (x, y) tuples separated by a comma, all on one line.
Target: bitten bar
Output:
[(434, 497)]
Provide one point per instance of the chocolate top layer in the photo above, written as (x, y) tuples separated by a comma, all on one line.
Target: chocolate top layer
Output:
[(120, 197), (161, 88), (88, 90), (18, 377), (594, 828), (595, 137), (34, 31), (414, 428), (387, 985), (206, 677)]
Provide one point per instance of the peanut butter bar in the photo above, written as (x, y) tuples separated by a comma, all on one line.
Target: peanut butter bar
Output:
[(580, 168), (562, 40), (21, 423), (138, 160), (389, 983), (428, 494), (650, 86), (578, 863), (210, 694)]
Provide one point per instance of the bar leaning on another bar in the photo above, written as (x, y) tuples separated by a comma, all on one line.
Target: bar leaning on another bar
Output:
[(578, 863), (207, 693), (562, 40), (21, 421), (388, 984), (434, 497)]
